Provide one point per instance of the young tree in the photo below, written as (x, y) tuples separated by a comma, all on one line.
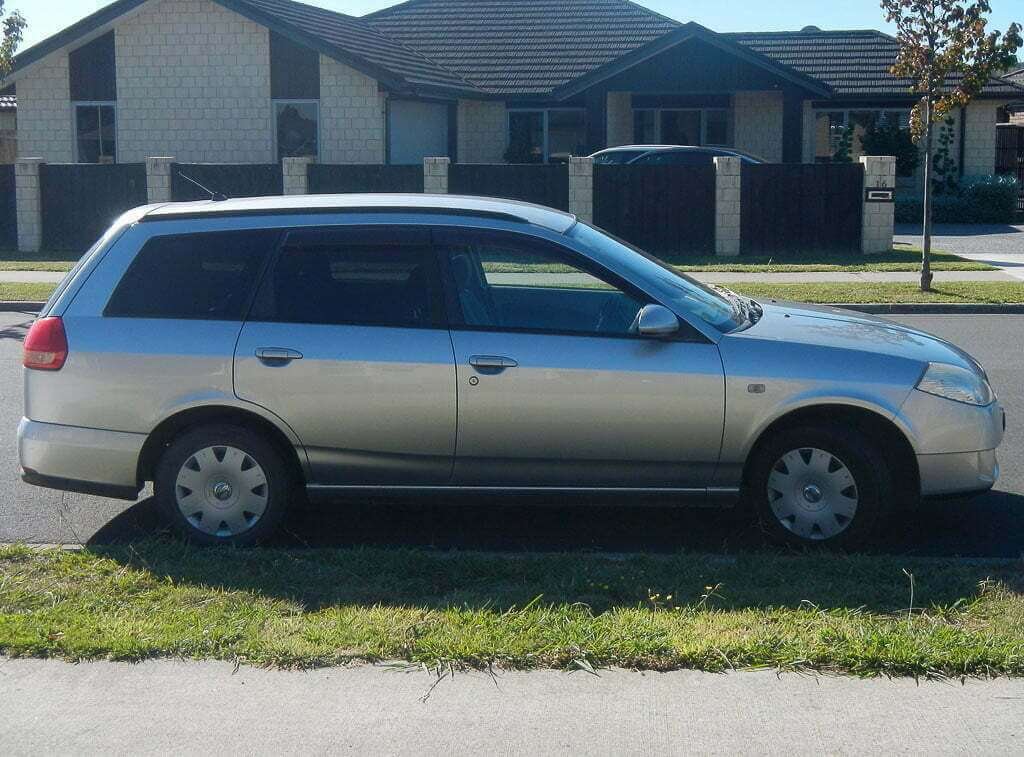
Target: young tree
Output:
[(11, 29), (948, 52)]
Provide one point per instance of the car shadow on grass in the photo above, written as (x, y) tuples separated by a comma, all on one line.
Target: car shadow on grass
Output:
[(989, 526)]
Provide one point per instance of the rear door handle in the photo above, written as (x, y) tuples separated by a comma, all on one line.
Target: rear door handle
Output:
[(277, 354), (492, 361)]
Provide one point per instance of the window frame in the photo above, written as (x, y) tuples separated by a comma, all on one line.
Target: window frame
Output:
[(545, 127), (98, 104), (703, 123), (436, 291), (274, 102), (456, 319)]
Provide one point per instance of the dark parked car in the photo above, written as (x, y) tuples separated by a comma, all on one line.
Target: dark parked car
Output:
[(668, 155)]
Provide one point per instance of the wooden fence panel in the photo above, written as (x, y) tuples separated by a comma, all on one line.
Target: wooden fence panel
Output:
[(790, 209), (230, 179), (80, 201), (8, 209), (343, 179), (541, 184), (666, 210)]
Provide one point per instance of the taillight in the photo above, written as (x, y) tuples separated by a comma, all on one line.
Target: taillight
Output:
[(46, 345)]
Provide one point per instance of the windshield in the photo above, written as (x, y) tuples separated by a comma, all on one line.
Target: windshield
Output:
[(723, 312), (617, 158)]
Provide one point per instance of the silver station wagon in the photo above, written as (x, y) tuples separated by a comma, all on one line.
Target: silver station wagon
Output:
[(242, 353)]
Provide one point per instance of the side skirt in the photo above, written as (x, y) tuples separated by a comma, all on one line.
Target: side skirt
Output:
[(711, 497)]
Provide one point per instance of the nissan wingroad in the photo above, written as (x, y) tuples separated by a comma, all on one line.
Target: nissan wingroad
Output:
[(235, 353)]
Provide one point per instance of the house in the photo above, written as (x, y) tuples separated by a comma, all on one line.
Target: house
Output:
[(252, 81), (8, 126)]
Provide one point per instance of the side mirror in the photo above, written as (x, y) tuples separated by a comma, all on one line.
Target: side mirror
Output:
[(656, 320)]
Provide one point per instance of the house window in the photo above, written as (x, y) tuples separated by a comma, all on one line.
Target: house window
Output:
[(95, 132), (546, 136), (682, 126), (298, 128), (831, 127)]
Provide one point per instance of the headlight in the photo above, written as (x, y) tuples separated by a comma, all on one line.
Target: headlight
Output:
[(957, 384)]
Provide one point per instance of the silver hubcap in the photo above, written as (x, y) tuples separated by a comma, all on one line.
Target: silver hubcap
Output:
[(221, 491), (812, 493)]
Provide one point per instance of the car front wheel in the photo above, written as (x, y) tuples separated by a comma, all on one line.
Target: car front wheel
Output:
[(814, 486), (222, 485)]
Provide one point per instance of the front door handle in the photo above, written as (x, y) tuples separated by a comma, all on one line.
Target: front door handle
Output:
[(277, 354), (492, 362)]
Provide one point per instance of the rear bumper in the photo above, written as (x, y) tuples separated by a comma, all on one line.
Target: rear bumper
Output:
[(87, 460), (958, 473)]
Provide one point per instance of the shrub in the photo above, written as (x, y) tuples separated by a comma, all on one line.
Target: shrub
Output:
[(892, 140), (978, 199)]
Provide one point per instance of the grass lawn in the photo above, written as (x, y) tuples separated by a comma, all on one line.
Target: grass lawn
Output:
[(849, 614), (43, 260), (991, 292), (899, 259), (25, 292)]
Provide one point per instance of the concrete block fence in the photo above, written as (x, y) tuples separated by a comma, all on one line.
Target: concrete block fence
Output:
[(877, 223)]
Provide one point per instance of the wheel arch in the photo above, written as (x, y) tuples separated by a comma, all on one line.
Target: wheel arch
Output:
[(185, 420), (893, 441)]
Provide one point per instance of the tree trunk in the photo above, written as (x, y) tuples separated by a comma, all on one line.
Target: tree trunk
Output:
[(926, 241)]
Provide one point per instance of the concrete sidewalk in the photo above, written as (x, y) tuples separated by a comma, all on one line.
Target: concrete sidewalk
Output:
[(176, 707)]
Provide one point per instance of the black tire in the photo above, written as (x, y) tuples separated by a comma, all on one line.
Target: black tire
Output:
[(850, 448), (274, 494)]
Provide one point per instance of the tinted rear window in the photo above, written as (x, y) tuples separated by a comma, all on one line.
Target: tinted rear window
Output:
[(354, 276), (198, 276)]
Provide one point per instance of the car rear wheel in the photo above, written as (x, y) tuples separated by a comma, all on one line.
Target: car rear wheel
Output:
[(222, 485), (814, 486)]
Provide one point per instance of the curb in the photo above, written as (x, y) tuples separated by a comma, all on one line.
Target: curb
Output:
[(906, 308), (924, 308)]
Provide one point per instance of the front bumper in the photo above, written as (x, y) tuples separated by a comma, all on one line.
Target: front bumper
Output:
[(87, 460), (955, 443), (958, 473)]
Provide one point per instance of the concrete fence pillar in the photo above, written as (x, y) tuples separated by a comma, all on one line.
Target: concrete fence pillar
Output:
[(879, 197), (158, 179), (435, 175), (295, 172), (581, 188), (727, 205), (28, 198)]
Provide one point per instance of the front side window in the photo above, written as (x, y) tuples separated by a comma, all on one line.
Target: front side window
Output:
[(298, 128), (95, 132), (513, 282), (206, 276), (673, 289), (361, 277)]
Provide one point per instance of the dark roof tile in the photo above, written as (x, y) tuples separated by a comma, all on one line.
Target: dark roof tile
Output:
[(853, 63)]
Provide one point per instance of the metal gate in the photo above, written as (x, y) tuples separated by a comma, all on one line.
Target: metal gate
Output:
[(1010, 156), (79, 201)]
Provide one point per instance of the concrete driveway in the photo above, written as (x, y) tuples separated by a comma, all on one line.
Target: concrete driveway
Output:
[(999, 245)]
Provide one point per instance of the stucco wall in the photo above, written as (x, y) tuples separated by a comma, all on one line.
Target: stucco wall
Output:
[(352, 113), (758, 124), (44, 111), (620, 119), (482, 131), (193, 81)]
